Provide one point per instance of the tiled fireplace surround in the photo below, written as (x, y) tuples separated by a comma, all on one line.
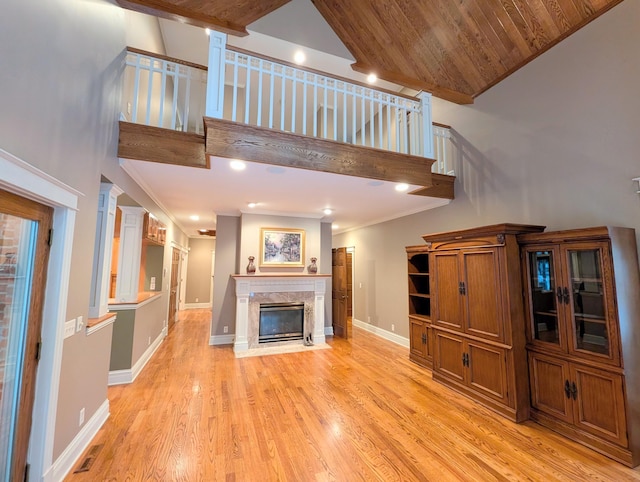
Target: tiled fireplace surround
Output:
[(252, 290)]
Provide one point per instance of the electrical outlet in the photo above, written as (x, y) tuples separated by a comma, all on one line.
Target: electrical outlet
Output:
[(149, 341), (225, 329), (81, 418), (197, 299), (79, 323), (69, 328), (393, 327), (368, 319), (360, 285)]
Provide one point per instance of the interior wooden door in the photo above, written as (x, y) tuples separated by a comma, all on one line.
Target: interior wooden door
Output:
[(173, 291), (482, 294), (339, 291), (25, 229)]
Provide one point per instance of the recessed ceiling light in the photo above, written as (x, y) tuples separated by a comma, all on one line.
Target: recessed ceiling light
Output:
[(299, 57), (194, 217), (327, 211), (335, 226), (402, 187), (207, 31), (238, 165), (252, 205), (202, 230), (371, 78)]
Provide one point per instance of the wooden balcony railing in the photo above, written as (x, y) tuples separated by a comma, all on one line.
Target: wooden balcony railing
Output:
[(163, 92)]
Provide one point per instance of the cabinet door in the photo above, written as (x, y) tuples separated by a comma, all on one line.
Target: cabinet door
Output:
[(599, 403), (418, 338), (447, 357), (550, 381), (592, 320), (487, 370), (445, 274), (481, 293), (542, 281)]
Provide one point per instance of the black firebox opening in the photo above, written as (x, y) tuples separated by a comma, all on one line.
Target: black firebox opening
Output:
[(281, 321)]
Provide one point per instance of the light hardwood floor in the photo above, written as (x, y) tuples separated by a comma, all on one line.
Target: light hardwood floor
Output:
[(358, 411)]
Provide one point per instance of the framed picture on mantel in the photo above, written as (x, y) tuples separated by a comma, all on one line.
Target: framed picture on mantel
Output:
[(281, 247)]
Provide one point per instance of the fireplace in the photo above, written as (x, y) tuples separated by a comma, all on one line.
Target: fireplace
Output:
[(252, 291), (281, 322)]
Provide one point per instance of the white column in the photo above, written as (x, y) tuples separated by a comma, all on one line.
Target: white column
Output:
[(129, 254), (215, 76), (427, 125), (102, 250), (243, 289), (320, 288)]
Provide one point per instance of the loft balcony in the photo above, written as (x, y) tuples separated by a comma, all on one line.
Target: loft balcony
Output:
[(263, 110)]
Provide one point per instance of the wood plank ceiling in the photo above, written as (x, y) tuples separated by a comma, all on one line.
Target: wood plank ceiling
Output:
[(456, 49)]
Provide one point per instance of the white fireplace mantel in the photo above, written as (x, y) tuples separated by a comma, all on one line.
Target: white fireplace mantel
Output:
[(247, 286)]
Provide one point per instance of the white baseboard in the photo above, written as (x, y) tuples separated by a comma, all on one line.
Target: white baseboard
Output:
[(195, 306), (68, 458), (387, 335), (328, 331), (222, 339), (122, 377)]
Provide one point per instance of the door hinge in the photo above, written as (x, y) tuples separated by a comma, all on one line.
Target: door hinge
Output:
[(50, 238), (27, 468), (38, 350)]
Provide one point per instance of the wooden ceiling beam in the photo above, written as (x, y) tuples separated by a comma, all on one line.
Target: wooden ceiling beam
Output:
[(228, 17), (154, 144), (416, 84), (442, 187), (239, 141)]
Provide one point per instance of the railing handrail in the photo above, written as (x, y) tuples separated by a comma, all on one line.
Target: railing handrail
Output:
[(321, 73), (167, 58)]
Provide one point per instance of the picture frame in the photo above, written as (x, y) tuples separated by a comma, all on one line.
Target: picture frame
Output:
[(282, 247)]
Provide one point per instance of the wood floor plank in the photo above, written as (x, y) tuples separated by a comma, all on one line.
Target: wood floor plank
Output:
[(359, 411)]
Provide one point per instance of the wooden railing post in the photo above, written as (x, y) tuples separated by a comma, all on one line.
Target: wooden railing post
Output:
[(427, 127), (215, 77)]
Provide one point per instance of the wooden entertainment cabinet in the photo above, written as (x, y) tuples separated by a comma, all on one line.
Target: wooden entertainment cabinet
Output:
[(533, 324)]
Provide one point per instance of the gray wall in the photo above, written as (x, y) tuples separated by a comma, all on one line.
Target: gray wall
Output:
[(555, 144), (199, 270), (68, 129), (227, 251)]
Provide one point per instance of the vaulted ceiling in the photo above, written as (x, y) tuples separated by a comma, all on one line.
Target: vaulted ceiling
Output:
[(456, 49)]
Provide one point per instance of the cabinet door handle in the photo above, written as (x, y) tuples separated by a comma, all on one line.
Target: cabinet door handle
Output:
[(461, 288), (424, 339), (464, 359), (567, 389), (559, 295), (574, 390), (565, 295)]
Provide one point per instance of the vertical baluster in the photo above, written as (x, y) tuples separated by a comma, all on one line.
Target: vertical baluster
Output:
[(380, 123), (247, 92), (305, 85), (294, 94), (354, 115), (149, 92), (363, 128), (372, 126), (136, 88), (271, 92), (335, 111), (344, 112), (315, 105), (174, 105), (324, 109), (234, 101), (187, 106), (163, 86), (283, 94), (389, 126), (445, 158), (260, 76)]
